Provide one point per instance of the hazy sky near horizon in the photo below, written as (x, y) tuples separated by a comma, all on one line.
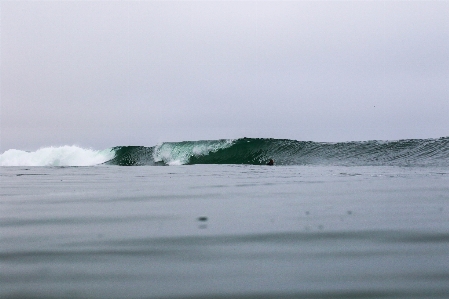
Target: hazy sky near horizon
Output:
[(100, 74)]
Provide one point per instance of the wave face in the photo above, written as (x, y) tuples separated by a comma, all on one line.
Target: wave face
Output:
[(256, 151), (55, 156)]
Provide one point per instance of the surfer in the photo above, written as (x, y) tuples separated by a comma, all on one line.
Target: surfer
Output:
[(271, 162)]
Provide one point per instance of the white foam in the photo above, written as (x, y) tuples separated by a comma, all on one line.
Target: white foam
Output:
[(56, 156), (180, 153)]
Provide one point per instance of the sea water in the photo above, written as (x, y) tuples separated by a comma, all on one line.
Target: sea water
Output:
[(224, 231)]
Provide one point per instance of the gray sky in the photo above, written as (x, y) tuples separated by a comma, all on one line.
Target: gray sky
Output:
[(100, 74)]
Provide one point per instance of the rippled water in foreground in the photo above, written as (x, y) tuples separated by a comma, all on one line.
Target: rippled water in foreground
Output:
[(224, 231)]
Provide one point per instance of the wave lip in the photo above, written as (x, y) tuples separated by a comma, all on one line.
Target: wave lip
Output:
[(56, 156)]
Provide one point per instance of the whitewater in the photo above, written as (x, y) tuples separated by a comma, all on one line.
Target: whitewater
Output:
[(55, 156)]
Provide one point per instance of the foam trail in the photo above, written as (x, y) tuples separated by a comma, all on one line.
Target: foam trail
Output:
[(56, 156)]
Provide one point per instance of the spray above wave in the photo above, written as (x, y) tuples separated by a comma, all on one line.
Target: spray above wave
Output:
[(55, 156), (180, 153), (256, 151)]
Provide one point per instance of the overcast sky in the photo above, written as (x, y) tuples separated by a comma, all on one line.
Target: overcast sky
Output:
[(101, 74)]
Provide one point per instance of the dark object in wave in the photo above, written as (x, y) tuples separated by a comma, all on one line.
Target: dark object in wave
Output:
[(256, 151), (271, 162)]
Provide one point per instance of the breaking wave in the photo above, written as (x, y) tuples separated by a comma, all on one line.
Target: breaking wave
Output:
[(257, 151), (251, 151)]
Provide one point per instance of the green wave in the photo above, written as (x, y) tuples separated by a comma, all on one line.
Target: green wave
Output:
[(258, 151)]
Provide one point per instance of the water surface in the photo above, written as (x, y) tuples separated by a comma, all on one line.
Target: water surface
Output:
[(224, 231)]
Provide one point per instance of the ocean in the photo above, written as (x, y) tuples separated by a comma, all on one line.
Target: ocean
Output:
[(328, 220)]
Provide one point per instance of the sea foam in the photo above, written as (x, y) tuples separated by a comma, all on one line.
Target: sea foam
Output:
[(180, 153), (56, 156)]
